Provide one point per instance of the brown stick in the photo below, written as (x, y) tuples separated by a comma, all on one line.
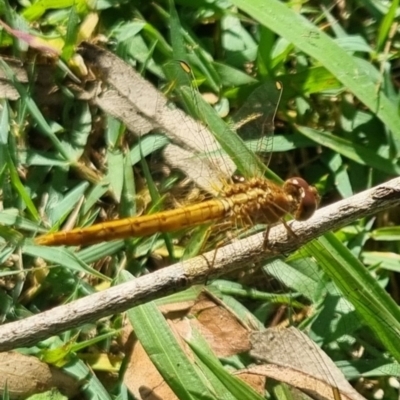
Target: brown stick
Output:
[(184, 274)]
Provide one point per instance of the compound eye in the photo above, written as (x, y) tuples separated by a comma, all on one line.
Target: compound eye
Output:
[(308, 199)]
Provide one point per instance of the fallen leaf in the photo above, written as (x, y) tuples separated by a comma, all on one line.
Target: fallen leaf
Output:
[(220, 327), (26, 375), (289, 356)]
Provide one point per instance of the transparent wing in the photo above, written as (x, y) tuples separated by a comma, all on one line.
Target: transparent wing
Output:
[(254, 121), (248, 133)]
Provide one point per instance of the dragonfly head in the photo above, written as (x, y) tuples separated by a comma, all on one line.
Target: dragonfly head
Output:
[(306, 197)]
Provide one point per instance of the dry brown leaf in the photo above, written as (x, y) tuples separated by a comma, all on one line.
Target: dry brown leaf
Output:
[(45, 92), (177, 310), (216, 324), (7, 90), (257, 382), (288, 355), (291, 357), (26, 375), (142, 378), (224, 333)]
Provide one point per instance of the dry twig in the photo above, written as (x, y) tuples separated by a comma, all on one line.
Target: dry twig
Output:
[(185, 274)]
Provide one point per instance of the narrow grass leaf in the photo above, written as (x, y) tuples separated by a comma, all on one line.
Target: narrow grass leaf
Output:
[(353, 43), (295, 28), (298, 275), (357, 153), (181, 40), (388, 233), (12, 217), (371, 301), (19, 187), (161, 346), (233, 77), (234, 386), (177, 41), (114, 132), (96, 252), (281, 391), (71, 35), (190, 294), (382, 260), (246, 161), (40, 158), (57, 212), (156, 199), (10, 235), (61, 256), (386, 25), (148, 145), (77, 368), (128, 200), (312, 80), (43, 126), (115, 172), (93, 195), (197, 242), (78, 130)]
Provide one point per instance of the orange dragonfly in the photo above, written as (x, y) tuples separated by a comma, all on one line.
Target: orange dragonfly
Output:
[(244, 202), (257, 199)]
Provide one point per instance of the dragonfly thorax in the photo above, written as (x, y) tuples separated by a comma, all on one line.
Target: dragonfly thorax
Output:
[(259, 200)]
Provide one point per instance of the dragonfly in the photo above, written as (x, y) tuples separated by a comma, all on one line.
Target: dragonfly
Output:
[(257, 199), (246, 202)]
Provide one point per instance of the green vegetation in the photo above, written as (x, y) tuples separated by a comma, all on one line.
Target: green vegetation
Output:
[(69, 158)]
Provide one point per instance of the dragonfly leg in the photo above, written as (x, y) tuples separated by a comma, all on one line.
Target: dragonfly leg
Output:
[(210, 265), (266, 234), (288, 228), (215, 254)]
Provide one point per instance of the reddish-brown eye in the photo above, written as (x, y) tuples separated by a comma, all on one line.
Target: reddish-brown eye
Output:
[(308, 198)]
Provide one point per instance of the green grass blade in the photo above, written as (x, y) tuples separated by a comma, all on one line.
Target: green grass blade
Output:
[(235, 388), (161, 346), (72, 34), (156, 199), (355, 152), (19, 187), (386, 25), (372, 303), (181, 41), (246, 161), (295, 28), (61, 256), (42, 124)]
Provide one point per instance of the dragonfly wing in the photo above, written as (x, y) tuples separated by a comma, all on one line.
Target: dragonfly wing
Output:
[(254, 121), (143, 108), (199, 171), (199, 155)]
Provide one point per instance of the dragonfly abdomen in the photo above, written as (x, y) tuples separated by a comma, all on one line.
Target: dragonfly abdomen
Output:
[(146, 225)]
